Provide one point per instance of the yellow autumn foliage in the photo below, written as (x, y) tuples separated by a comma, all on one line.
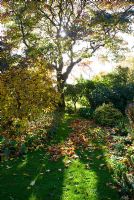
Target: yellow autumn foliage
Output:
[(27, 92)]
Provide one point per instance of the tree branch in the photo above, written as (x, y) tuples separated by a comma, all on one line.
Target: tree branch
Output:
[(72, 64), (54, 66), (47, 16), (69, 69), (23, 33), (124, 13), (96, 47)]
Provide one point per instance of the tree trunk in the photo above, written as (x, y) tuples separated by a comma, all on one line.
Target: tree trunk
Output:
[(61, 104), (60, 87), (75, 107)]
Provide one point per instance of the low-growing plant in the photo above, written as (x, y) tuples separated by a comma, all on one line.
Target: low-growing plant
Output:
[(107, 115), (119, 148), (16, 142), (122, 161), (122, 128)]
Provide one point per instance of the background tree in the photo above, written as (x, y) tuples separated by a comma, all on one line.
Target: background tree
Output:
[(116, 87), (73, 93), (66, 31), (98, 95)]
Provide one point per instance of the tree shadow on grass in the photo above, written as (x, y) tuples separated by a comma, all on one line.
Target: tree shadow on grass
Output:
[(37, 178), (33, 178)]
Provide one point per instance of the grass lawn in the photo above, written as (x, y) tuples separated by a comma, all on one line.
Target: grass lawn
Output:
[(36, 177)]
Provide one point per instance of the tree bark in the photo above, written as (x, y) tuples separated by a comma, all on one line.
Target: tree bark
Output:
[(60, 87), (61, 80), (75, 107)]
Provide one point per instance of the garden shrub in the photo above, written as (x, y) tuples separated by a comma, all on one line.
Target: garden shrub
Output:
[(107, 115), (116, 87), (86, 112), (25, 93)]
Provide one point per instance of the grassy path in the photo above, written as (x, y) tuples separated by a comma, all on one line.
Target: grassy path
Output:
[(36, 177)]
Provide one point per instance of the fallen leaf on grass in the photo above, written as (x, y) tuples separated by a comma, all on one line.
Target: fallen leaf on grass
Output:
[(75, 156), (102, 165), (8, 167), (89, 159), (59, 170), (67, 163), (87, 166), (111, 185), (100, 156), (48, 170), (11, 198), (25, 174), (32, 183)]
